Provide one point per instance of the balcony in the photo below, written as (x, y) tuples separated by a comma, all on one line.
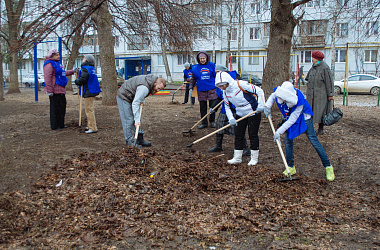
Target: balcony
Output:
[(311, 41)]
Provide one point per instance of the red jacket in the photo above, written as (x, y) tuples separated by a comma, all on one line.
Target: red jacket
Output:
[(49, 76)]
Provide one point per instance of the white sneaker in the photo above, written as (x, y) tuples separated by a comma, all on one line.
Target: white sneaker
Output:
[(91, 131)]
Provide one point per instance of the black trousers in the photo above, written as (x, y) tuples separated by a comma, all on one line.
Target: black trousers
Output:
[(253, 123), (187, 95), (204, 111), (57, 111)]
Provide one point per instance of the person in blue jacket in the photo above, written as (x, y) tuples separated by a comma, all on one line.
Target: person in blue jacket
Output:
[(298, 114), (186, 78), (204, 78), (88, 79)]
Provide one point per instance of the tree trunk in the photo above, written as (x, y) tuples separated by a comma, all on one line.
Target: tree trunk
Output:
[(77, 43), (280, 41), (13, 16), (1, 76), (103, 20)]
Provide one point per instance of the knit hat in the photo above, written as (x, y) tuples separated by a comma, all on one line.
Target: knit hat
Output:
[(221, 68), (317, 55), (287, 93), (187, 65), (202, 55), (90, 58), (223, 78), (51, 52)]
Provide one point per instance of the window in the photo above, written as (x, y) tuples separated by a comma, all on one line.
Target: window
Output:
[(21, 65), (370, 56), (367, 78), (372, 28), (313, 27), (306, 56), (254, 33), (98, 62), (340, 55), (233, 34), (343, 3), (160, 61), (342, 29), (372, 3), (266, 5), (254, 60), (137, 42), (255, 8), (354, 78), (266, 29), (117, 41), (233, 57), (183, 58)]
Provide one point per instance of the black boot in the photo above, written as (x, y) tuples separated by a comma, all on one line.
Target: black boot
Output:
[(320, 129), (140, 140), (218, 146), (192, 100)]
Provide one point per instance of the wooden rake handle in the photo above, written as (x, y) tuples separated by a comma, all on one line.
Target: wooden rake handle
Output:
[(216, 131), (138, 126), (208, 113), (278, 143)]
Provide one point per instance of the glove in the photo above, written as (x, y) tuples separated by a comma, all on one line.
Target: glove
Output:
[(50, 94), (232, 122), (259, 109), (277, 137), (211, 111), (267, 111), (76, 70)]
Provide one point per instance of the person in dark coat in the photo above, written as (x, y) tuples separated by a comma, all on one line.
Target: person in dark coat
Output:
[(186, 78), (88, 79), (320, 88), (301, 75), (204, 78)]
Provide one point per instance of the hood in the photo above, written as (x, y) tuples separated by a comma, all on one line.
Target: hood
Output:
[(223, 78), (287, 93), (50, 58), (204, 52)]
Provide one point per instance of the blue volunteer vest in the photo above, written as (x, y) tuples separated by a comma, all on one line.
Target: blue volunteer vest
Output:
[(299, 126), (93, 82), (205, 76), (187, 73), (60, 73)]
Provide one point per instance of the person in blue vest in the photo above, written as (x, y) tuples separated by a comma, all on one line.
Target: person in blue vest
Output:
[(204, 78), (222, 117), (55, 87), (91, 87), (186, 78), (298, 114)]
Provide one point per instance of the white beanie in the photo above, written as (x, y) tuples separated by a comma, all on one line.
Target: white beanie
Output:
[(223, 78), (287, 93)]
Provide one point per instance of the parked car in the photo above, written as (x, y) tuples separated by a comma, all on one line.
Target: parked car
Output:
[(251, 79), (360, 83), (28, 80)]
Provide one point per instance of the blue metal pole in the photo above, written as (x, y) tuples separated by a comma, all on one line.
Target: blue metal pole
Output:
[(35, 74), (60, 49)]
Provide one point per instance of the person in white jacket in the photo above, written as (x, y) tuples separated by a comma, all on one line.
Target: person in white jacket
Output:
[(247, 98)]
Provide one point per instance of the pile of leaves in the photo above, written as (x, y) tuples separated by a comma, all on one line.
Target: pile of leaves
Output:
[(107, 197)]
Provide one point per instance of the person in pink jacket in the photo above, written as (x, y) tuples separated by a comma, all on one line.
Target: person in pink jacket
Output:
[(55, 88)]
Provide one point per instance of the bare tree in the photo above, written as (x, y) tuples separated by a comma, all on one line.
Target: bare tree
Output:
[(103, 20)]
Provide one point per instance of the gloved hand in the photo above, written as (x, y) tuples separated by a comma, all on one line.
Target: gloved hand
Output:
[(50, 94), (267, 111), (211, 111), (277, 137), (259, 109), (76, 70), (232, 122)]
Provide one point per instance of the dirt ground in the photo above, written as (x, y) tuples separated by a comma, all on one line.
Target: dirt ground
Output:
[(262, 213)]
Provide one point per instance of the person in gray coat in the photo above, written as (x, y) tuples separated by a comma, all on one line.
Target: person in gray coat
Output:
[(320, 88), (129, 97)]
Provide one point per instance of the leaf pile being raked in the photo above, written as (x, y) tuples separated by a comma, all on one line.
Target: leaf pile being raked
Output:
[(108, 197)]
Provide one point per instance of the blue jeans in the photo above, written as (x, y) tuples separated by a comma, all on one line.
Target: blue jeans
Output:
[(310, 133)]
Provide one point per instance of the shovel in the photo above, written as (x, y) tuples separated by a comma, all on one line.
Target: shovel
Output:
[(191, 131), (80, 97), (216, 131), (177, 90), (290, 178), (137, 129)]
